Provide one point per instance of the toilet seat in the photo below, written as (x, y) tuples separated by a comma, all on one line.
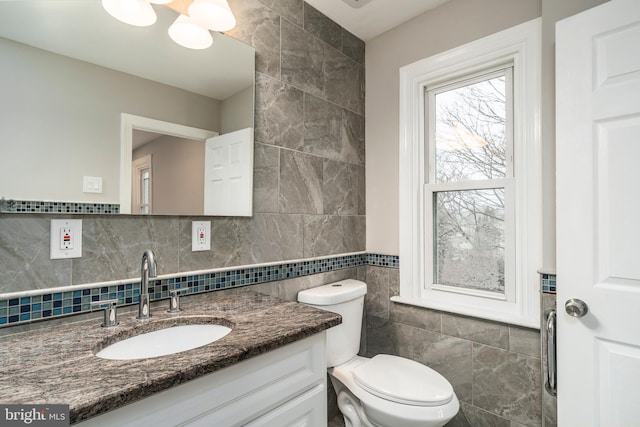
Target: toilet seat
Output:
[(382, 411), (404, 381)]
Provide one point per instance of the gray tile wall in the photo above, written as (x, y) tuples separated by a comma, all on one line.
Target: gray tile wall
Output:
[(308, 201), (288, 291), (309, 169), (494, 368)]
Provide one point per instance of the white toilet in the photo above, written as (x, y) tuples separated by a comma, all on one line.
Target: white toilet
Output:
[(384, 391)]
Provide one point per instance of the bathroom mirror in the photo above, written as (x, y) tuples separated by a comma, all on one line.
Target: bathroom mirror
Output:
[(71, 74)]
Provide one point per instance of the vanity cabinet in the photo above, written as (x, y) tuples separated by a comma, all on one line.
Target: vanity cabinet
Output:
[(283, 387)]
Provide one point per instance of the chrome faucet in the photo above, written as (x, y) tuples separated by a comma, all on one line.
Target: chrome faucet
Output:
[(148, 270)]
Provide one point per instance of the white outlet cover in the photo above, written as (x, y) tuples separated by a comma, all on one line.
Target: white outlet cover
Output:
[(196, 243), (56, 252)]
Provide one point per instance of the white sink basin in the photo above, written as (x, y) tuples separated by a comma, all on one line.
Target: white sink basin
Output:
[(164, 341)]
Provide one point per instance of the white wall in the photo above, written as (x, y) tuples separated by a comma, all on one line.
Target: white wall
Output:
[(450, 25), (552, 12), (177, 174), (60, 120), (237, 111)]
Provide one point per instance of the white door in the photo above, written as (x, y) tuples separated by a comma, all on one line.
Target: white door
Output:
[(228, 174), (598, 215)]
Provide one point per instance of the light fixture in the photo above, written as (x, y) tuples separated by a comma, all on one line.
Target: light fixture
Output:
[(186, 32), (190, 30), (215, 15), (132, 12)]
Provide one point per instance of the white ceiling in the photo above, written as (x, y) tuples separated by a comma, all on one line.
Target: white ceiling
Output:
[(373, 18)]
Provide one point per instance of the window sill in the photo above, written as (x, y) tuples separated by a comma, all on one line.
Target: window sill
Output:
[(470, 311)]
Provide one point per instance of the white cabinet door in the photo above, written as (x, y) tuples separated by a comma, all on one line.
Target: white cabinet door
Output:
[(598, 227)]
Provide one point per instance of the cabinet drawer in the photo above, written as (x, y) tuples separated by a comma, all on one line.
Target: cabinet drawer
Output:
[(306, 410)]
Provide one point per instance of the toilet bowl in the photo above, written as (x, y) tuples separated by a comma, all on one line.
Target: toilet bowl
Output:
[(385, 390), (424, 400)]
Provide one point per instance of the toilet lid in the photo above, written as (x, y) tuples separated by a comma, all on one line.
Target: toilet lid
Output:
[(404, 381)]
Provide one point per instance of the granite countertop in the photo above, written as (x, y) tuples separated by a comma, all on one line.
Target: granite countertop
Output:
[(57, 365)]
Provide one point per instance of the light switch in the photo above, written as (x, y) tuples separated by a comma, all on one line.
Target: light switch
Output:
[(91, 184)]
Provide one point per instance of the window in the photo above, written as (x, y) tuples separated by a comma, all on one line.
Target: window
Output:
[(469, 142), (470, 237), (142, 188), (145, 191)]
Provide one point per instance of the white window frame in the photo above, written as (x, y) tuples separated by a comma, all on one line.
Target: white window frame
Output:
[(518, 46), (433, 187), (139, 166)]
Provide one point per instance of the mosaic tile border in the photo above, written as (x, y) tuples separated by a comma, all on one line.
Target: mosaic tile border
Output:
[(46, 306), (379, 260), (36, 206), (548, 283)]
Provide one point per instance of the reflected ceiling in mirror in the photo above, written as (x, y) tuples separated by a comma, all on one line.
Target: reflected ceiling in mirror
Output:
[(73, 70)]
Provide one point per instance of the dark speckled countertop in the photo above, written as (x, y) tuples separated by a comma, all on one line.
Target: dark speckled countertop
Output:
[(58, 364)]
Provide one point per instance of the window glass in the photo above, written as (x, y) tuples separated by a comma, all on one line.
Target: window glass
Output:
[(469, 145), (469, 239), (470, 131)]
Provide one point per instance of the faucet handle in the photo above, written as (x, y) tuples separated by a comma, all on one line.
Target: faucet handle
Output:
[(110, 312), (174, 301)]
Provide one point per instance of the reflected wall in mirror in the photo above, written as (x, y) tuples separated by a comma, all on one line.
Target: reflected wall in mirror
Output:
[(180, 170), (69, 73)]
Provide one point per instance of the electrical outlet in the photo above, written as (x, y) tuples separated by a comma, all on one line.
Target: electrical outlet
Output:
[(66, 238), (200, 236)]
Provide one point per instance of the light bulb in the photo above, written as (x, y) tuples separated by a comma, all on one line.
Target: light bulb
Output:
[(187, 33), (132, 12), (215, 15)]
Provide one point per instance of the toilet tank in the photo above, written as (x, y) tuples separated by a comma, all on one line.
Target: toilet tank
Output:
[(347, 299)]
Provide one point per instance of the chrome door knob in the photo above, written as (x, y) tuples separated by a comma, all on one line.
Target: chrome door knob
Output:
[(576, 307)]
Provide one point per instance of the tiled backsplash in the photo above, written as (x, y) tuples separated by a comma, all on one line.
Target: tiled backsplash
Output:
[(383, 260), (36, 206), (309, 171), (45, 304), (48, 304), (548, 283)]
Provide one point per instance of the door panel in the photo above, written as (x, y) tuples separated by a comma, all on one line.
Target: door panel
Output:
[(617, 55), (618, 371), (228, 174), (598, 231), (618, 154)]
